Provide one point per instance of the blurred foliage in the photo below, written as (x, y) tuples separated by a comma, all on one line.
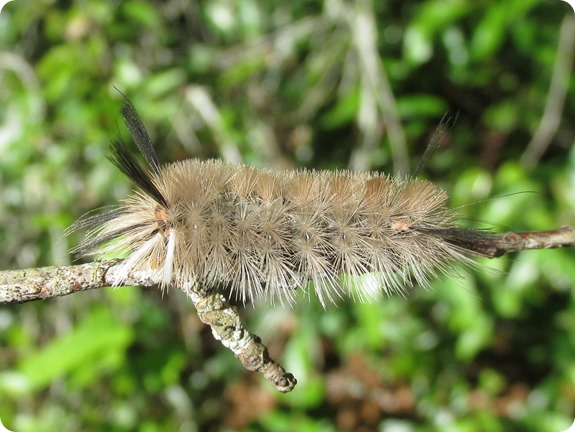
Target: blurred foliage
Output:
[(324, 84)]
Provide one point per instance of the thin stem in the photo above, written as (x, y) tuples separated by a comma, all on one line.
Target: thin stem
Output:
[(556, 96)]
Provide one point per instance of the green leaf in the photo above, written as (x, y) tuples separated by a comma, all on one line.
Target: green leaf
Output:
[(421, 106), (87, 344)]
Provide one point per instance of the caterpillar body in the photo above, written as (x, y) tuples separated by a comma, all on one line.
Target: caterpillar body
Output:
[(260, 233)]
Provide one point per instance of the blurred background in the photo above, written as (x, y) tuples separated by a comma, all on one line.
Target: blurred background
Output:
[(327, 84)]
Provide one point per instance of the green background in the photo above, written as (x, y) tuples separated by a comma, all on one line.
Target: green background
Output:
[(324, 84)]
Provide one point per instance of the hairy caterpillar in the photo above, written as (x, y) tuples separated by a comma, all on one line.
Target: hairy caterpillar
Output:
[(262, 233)]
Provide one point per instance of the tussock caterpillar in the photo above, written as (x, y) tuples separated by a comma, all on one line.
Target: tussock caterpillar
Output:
[(259, 233)]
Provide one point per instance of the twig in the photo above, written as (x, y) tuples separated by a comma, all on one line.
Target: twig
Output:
[(18, 286), (376, 92), (556, 96), (498, 245), (227, 327)]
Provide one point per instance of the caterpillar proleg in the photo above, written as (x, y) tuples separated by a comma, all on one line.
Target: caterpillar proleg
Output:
[(258, 233)]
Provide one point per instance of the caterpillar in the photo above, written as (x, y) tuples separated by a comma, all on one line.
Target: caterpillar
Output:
[(258, 233)]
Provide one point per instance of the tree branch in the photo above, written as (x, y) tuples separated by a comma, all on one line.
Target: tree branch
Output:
[(19, 286), (227, 327), (501, 244)]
